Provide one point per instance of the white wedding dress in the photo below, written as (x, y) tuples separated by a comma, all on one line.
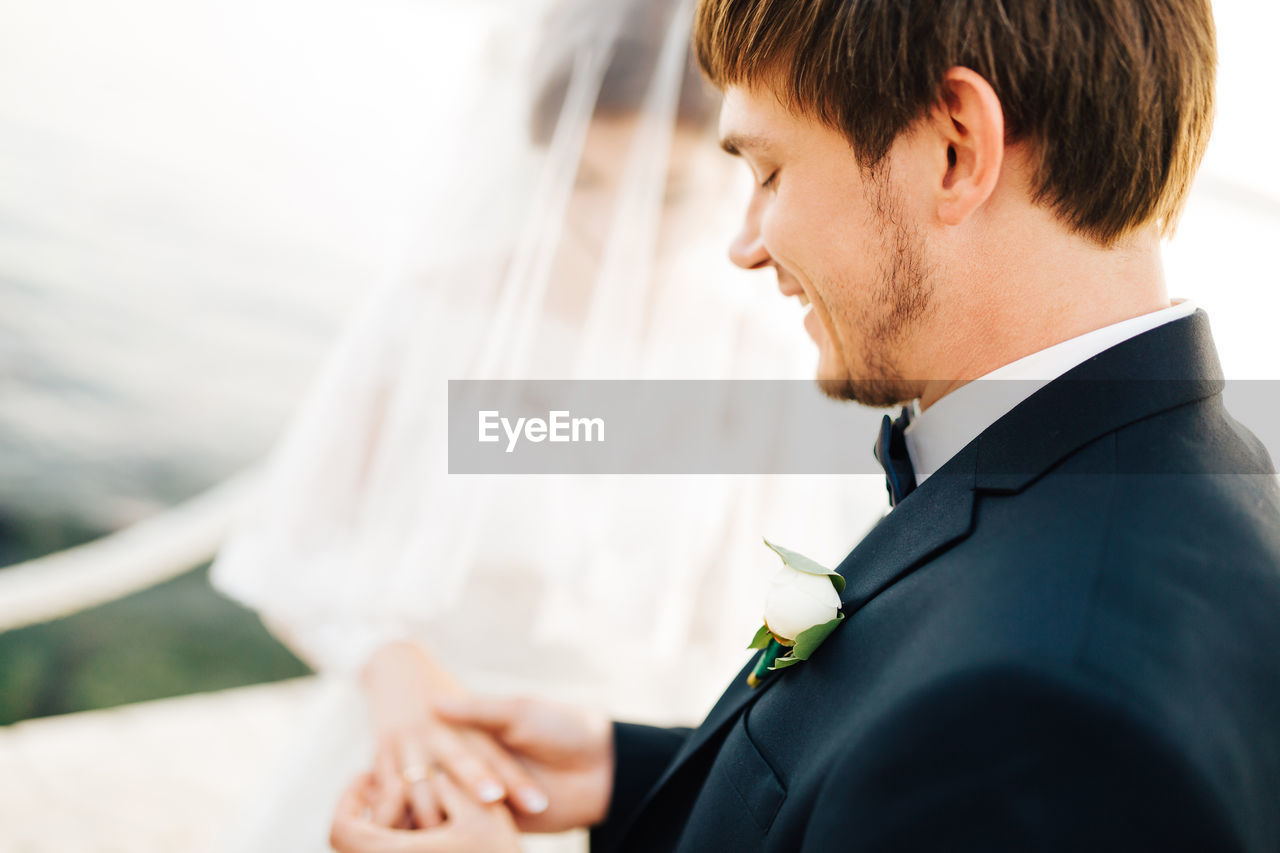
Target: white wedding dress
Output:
[(634, 594)]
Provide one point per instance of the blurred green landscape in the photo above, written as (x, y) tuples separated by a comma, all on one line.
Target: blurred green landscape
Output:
[(175, 638)]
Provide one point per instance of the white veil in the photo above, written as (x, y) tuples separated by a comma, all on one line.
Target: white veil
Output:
[(579, 231)]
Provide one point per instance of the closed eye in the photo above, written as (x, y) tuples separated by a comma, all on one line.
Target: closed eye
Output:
[(770, 181)]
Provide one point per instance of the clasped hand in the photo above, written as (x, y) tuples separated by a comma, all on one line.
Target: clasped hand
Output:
[(472, 773)]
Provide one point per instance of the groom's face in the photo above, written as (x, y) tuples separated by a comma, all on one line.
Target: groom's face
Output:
[(839, 238)]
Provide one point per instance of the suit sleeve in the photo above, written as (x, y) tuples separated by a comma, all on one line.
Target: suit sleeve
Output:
[(1009, 763), (641, 753)]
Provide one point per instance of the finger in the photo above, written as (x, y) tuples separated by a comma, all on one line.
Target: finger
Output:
[(389, 800), (465, 815), (470, 772), (423, 805), (455, 804), (413, 772), (355, 797), (386, 768), (350, 831), (354, 836), (388, 807), (523, 792), (405, 821), (351, 835)]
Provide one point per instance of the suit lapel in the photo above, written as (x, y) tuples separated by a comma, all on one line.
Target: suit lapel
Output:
[(932, 517), (1168, 366)]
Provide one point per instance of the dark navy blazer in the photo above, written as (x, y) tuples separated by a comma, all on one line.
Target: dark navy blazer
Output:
[(1068, 638)]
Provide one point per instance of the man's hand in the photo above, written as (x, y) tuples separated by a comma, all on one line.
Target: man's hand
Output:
[(468, 826), (568, 752)]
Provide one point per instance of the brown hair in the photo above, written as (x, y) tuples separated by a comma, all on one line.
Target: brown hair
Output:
[(1115, 95)]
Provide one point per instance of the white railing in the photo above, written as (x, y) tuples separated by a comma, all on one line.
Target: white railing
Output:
[(147, 553)]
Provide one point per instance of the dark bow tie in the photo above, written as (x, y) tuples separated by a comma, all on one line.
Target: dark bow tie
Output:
[(891, 453)]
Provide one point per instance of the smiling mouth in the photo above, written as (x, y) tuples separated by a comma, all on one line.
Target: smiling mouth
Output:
[(790, 288)]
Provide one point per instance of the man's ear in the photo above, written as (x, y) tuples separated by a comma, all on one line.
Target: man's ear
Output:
[(969, 122)]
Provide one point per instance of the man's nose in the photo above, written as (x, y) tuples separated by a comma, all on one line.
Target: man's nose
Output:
[(747, 249)]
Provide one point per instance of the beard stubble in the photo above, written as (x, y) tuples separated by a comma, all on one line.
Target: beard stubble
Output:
[(903, 295)]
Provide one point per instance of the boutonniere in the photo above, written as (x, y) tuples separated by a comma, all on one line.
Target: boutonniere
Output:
[(801, 610)]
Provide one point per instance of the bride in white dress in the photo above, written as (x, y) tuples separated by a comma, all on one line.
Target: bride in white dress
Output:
[(578, 233)]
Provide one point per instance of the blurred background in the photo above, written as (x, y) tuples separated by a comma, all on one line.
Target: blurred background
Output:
[(193, 197)]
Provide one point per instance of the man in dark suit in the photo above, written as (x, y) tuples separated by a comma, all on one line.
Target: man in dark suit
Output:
[(1063, 636)]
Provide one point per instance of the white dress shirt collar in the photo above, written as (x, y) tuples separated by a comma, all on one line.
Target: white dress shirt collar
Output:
[(942, 430)]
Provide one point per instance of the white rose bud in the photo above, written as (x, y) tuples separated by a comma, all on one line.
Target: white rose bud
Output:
[(797, 601)]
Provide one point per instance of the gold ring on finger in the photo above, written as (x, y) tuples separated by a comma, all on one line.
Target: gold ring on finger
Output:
[(415, 774)]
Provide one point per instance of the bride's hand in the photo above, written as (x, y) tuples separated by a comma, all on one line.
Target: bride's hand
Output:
[(467, 827), (409, 754), (402, 682)]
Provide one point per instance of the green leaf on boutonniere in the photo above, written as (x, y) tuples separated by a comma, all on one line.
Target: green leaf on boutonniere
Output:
[(761, 639), (809, 640), (801, 563), (806, 644)]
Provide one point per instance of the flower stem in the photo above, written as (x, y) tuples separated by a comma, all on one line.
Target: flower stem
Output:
[(766, 660)]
